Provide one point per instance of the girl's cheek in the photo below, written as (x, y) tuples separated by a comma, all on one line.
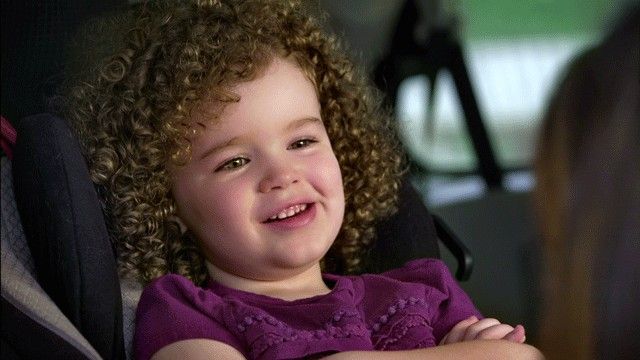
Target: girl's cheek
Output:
[(232, 188), (327, 169), (241, 191)]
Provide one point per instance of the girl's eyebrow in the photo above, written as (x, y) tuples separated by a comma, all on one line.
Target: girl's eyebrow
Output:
[(298, 123), (293, 125), (215, 148)]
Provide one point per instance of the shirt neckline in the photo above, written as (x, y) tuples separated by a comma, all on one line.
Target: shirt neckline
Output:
[(337, 285)]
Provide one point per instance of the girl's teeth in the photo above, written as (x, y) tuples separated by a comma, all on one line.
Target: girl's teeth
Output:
[(289, 212)]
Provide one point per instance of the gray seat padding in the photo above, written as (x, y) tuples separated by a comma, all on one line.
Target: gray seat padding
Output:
[(66, 233), (33, 327)]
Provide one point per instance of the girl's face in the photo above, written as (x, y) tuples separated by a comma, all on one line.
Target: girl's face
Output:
[(263, 191)]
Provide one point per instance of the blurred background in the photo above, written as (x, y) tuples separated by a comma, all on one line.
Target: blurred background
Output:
[(514, 52)]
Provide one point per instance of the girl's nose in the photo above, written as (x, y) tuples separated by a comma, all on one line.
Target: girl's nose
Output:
[(279, 177)]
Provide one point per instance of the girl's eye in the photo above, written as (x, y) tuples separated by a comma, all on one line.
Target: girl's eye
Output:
[(302, 143), (233, 164)]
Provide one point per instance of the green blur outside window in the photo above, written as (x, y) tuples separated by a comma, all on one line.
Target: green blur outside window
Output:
[(516, 52)]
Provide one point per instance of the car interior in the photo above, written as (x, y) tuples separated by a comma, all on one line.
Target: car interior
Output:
[(60, 283)]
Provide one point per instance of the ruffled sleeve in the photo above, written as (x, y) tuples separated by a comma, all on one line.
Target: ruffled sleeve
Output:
[(448, 303), (172, 309)]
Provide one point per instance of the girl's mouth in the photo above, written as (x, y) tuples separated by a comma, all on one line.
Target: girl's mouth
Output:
[(289, 212), (292, 217)]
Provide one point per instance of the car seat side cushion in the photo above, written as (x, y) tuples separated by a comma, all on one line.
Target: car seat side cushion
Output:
[(66, 231), (29, 339)]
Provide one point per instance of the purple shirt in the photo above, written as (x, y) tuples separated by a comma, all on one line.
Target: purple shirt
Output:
[(406, 308)]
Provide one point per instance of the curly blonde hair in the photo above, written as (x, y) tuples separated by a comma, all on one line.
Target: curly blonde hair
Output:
[(133, 119)]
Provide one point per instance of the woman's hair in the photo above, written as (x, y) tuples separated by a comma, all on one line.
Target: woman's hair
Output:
[(133, 119), (588, 199)]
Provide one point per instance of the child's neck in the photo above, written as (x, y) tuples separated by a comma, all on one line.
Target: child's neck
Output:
[(305, 284)]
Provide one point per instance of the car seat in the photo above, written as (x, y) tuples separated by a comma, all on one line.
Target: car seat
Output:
[(61, 294)]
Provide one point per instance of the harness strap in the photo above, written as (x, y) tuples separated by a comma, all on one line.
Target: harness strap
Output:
[(7, 137)]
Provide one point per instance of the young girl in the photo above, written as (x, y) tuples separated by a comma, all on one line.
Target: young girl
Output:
[(239, 150)]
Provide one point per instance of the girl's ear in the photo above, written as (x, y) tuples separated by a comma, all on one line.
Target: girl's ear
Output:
[(181, 224)]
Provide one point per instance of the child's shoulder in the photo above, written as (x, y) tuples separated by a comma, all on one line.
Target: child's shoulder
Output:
[(173, 284), (422, 281), (172, 308), (427, 271), (420, 300), (173, 293)]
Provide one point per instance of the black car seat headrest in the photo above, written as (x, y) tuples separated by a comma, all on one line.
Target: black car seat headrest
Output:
[(406, 235), (66, 232)]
